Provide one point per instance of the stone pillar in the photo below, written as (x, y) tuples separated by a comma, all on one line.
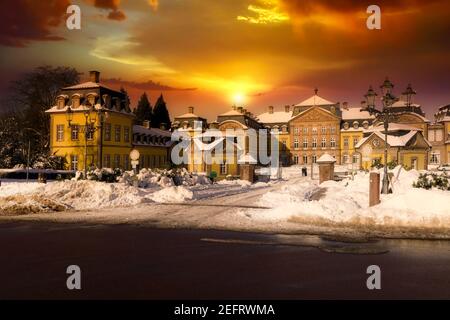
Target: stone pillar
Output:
[(374, 189), (326, 168), (247, 172)]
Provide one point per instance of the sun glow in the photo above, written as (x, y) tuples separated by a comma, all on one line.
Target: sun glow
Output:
[(238, 98)]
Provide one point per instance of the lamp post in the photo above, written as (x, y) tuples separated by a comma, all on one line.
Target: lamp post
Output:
[(385, 116), (87, 132), (409, 93), (90, 120)]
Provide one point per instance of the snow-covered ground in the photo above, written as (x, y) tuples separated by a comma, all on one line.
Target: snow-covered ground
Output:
[(295, 204), (346, 204)]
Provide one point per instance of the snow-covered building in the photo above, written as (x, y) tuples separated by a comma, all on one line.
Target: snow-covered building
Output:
[(232, 129), (439, 136), (92, 125)]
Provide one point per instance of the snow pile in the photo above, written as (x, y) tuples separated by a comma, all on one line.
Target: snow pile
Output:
[(236, 182), (69, 194), (148, 178), (346, 203), (12, 188), (171, 195)]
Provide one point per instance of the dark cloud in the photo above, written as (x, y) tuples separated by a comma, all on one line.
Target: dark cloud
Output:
[(147, 85), (113, 5), (22, 21), (107, 4), (117, 15)]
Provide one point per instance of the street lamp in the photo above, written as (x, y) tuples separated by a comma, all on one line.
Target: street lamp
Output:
[(69, 115), (385, 116), (409, 93), (87, 132)]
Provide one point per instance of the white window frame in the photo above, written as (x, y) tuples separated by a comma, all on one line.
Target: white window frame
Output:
[(75, 132), (74, 162), (436, 154), (305, 143), (60, 132), (333, 142)]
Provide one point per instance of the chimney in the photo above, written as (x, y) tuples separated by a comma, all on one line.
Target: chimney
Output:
[(234, 108), (271, 109), (287, 108), (240, 109), (162, 126), (94, 76), (345, 105), (191, 110), (146, 124)]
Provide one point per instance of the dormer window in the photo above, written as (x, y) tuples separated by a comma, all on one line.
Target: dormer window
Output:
[(61, 102), (91, 99), (346, 125), (75, 101), (355, 125), (366, 124)]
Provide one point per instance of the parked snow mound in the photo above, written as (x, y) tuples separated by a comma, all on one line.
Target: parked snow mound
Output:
[(171, 194), (346, 203)]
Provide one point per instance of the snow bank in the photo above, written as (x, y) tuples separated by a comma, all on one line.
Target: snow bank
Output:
[(148, 178), (346, 202), (172, 194), (79, 195), (157, 186)]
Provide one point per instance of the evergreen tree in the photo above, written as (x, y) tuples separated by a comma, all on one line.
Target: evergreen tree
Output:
[(143, 110), (160, 114)]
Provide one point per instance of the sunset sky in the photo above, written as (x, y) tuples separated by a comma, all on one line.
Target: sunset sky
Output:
[(211, 54)]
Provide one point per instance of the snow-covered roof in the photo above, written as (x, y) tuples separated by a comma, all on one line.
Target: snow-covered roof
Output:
[(446, 118), (393, 141), (326, 158), (187, 115), (393, 127), (231, 113), (88, 85), (355, 113), (151, 131), (402, 103), (315, 100), (275, 117), (82, 108)]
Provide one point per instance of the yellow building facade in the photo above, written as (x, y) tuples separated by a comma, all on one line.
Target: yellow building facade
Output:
[(92, 126), (230, 134)]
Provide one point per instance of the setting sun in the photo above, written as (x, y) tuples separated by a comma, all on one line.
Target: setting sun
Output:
[(238, 98)]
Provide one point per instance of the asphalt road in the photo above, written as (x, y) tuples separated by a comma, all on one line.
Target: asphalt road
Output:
[(128, 262)]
